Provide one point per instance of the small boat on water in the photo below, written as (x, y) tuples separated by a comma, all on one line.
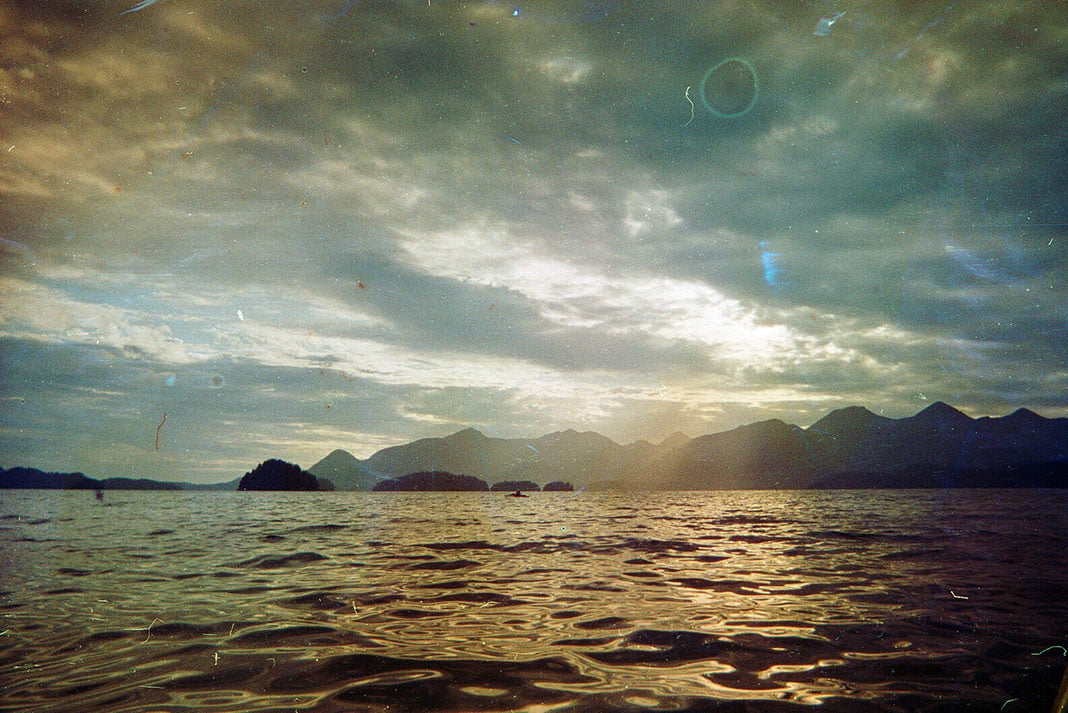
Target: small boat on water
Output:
[(518, 494)]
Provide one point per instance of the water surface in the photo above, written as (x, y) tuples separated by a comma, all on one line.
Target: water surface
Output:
[(761, 601)]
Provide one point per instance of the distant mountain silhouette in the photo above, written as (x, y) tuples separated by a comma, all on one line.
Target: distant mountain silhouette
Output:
[(346, 472), (34, 479), (938, 435), (762, 455), (561, 456), (939, 447), (848, 448)]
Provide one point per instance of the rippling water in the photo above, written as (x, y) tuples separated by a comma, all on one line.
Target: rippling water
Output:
[(756, 601)]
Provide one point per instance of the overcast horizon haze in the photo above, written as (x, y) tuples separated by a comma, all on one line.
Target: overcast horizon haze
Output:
[(237, 231)]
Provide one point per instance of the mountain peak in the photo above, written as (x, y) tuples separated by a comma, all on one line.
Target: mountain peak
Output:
[(1021, 418), (573, 437), (850, 419), (338, 458), (675, 440), (466, 434), (942, 411)]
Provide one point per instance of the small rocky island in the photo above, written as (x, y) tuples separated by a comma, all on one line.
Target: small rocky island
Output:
[(516, 486)]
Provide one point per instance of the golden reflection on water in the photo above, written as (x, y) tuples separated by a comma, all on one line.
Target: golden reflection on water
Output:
[(244, 601)]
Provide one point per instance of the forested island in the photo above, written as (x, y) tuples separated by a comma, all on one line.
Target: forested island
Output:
[(274, 474)]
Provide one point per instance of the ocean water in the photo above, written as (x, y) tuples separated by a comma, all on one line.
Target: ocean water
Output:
[(732, 601)]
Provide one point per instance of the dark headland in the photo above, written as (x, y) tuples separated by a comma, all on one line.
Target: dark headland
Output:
[(939, 447)]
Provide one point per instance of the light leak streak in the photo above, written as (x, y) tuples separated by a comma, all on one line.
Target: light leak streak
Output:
[(159, 427), (823, 27), (21, 247), (139, 6), (692, 107), (770, 262)]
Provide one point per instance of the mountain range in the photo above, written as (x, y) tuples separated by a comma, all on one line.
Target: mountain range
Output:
[(938, 447)]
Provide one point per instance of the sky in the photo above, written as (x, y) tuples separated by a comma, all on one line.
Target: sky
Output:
[(231, 231)]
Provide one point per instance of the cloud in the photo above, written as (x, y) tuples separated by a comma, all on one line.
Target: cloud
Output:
[(584, 300), (426, 217), (37, 311)]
